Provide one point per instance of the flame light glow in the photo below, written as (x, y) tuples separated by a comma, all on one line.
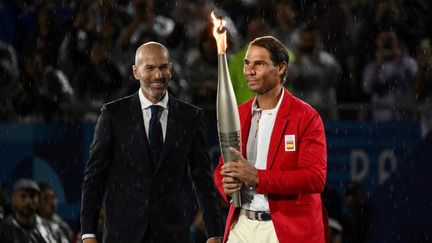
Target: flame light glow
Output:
[(219, 33)]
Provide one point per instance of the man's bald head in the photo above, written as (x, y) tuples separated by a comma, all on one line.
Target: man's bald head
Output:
[(150, 48), (153, 70)]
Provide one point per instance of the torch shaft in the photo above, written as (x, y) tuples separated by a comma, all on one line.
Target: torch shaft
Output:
[(227, 117)]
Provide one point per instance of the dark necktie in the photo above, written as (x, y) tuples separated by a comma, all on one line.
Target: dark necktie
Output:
[(155, 133)]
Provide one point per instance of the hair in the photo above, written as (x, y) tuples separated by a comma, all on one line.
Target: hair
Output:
[(278, 52), (151, 45)]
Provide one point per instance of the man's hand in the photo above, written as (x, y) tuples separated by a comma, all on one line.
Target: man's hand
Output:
[(239, 169), (230, 184), (90, 240)]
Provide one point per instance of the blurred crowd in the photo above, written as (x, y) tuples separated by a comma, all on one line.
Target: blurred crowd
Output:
[(351, 60), (349, 213), (31, 215)]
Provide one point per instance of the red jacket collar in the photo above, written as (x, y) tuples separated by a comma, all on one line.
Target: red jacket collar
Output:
[(245, 111)]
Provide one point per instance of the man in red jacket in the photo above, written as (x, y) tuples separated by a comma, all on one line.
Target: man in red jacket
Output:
[(281, 170)]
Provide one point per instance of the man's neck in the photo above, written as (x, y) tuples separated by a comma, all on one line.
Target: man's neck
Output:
[(269, 99)]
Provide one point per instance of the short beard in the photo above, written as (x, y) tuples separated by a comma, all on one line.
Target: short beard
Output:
[(26, 212)]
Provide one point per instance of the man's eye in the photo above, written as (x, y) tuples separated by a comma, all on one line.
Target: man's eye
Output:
[(149, 69)]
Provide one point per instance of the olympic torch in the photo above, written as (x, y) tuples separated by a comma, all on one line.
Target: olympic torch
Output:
[(228, 121)]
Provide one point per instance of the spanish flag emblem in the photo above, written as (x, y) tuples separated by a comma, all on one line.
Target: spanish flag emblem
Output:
[(289, 142)]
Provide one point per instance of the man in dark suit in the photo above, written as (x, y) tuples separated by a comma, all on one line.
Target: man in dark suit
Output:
[(145, 146)]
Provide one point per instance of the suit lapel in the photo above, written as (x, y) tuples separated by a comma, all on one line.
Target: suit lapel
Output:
[(279, 127), (171, 130), (245, 121)]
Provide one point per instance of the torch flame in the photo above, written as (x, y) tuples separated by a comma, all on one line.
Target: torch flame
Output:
[(219, 33)]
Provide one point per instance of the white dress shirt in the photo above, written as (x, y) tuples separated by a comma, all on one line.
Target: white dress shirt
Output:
[(145, 107), (254, 201)]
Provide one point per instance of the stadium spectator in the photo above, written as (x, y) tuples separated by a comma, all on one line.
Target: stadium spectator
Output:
[(332, 20), (357, 215), (286, 23), (43, 93), (314, 74), (424, 85), (25, 225), (202, 68), (9, 74), (74, 47), (333, 203), (392, 13), (389, 79), (47, 209), (360, 38), (97, 81)]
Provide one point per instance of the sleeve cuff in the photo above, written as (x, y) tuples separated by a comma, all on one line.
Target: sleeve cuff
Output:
[(215, 238), (85, 236)]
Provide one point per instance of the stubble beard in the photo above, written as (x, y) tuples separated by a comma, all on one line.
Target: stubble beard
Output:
[(156, 93)]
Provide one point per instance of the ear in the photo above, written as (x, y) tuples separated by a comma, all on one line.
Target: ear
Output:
[(170, 71), (135, 72), (282, 67)]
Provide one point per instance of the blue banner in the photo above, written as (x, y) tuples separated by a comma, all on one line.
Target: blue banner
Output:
[(368, 152)]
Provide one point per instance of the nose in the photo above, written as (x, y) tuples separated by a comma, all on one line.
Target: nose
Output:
[(29, 200), (248, 70), (158, 73)]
